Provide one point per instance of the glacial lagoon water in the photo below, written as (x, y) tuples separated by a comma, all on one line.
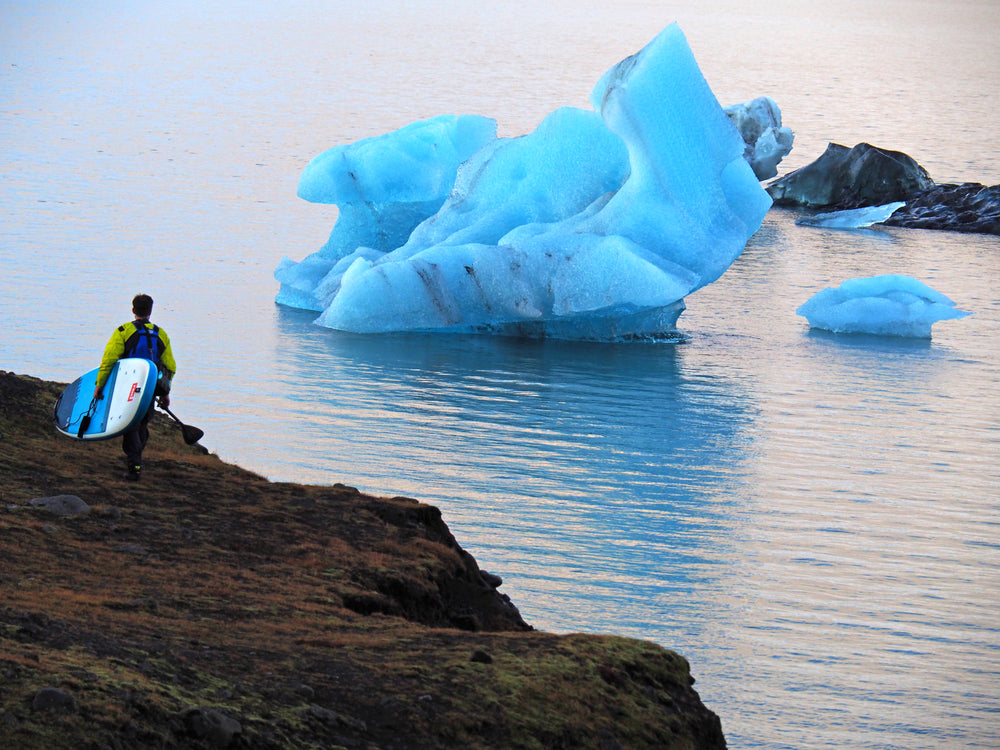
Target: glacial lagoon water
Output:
[(811, 519)]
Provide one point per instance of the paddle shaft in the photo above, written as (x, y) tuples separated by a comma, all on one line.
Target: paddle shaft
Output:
[(191, 434)]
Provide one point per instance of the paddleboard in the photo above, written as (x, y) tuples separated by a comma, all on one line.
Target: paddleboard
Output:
[(124, 401)]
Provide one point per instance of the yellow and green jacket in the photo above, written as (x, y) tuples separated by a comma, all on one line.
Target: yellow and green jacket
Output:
[(115, 350)]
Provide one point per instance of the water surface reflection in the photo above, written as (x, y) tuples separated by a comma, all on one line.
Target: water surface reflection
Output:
[(591, 476)]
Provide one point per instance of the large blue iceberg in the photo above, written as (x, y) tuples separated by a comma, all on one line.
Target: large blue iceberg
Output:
[(595, 226), (888, 305)]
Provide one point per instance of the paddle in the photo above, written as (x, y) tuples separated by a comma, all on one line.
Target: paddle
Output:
[(191, 434)]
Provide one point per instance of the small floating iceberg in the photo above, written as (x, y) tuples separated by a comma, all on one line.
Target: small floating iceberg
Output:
[(888, 305), (852, 218)]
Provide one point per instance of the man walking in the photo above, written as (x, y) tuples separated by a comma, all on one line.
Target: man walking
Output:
[(139, 338)]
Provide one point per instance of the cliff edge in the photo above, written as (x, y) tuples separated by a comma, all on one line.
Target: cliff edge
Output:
[(207, 607)]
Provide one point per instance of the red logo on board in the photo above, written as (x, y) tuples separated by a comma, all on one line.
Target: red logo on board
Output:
[(131, 393)]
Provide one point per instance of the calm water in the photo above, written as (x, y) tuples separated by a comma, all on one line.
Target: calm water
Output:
[(812, 520)]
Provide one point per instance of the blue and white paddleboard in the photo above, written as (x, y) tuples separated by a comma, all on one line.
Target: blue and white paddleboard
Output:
[(124, 401)]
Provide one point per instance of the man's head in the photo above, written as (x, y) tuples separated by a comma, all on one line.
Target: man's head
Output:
[(142, 305)]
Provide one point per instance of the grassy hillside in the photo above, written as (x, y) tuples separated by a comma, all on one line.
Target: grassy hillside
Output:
[(205, 606)]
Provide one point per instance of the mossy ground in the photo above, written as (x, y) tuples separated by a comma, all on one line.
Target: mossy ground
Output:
[(316, 617)]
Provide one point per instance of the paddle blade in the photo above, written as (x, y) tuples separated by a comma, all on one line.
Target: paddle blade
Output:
[(191, 434)]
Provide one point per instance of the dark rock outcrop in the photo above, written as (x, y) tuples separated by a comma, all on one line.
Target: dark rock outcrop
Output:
[(968, 207), (851, 178), (843, 179)]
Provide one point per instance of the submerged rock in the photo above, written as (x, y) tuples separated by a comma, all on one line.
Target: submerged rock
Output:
[(845, 178)]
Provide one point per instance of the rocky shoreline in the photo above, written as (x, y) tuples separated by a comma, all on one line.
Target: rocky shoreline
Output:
[(206, 607)]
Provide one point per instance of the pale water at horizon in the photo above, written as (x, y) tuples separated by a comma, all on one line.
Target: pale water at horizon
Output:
[(811, 519)]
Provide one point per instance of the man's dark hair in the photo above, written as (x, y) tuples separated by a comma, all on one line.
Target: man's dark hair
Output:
[(142, 305)]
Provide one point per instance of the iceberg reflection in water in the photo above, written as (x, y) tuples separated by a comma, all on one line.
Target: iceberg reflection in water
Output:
[(536, 451)]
